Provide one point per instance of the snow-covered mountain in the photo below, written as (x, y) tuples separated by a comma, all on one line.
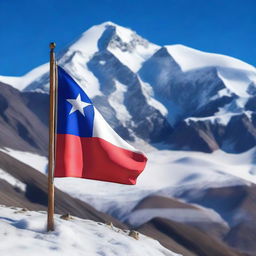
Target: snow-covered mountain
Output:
[(161, 99), (171, 97)]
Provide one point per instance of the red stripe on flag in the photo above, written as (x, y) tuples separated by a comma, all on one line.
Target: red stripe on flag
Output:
[(97, 159)]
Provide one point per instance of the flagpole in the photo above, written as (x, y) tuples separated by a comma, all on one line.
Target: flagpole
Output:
[(51, 149)]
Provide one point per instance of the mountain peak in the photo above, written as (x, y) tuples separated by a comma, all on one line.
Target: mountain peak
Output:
[(124, 43), (91, 36), (110, 32)]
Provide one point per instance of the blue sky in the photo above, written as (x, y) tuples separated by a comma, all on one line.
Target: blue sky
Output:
[(27, 26)]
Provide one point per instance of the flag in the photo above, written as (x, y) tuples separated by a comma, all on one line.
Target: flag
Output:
[(87, 147)]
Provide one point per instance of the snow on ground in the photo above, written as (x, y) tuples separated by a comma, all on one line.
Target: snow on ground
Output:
[(12, 180), (24, 233)]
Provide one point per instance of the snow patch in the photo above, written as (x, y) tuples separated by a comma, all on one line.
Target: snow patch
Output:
[(183, 215), (235, 80), (217, 118), (224, 92), (12, 180), (147, 91), (116, 100), (102, 62)]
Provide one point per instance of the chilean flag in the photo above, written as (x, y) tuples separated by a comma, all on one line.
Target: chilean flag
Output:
[(87, 147)]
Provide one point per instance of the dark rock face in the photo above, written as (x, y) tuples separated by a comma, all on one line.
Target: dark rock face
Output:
[(242, 236), (38, 103), (237, 136), (20, 127), (153, 127), (195, 136), (212, 107), (240, 134), (251, 104)]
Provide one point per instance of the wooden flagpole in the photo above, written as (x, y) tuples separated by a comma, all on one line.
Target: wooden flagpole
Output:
[(51, 149)]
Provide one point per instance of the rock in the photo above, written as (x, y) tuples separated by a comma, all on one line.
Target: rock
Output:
[(134, 234)]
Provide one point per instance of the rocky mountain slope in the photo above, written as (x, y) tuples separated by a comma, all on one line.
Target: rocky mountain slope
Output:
[(23, 186)]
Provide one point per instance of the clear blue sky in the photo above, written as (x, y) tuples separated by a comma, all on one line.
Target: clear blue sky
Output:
[(221, 26)]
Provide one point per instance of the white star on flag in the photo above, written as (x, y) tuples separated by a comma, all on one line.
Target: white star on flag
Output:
[(78, 104)]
